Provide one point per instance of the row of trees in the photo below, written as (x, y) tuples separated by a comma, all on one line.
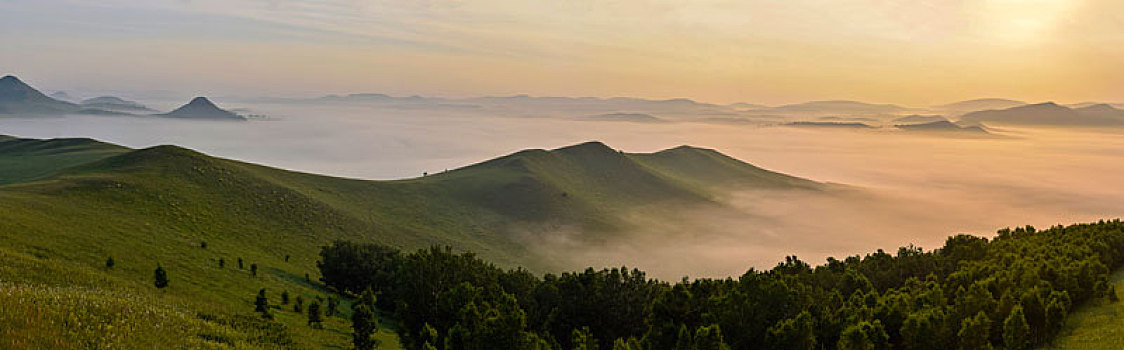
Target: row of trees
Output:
[(1011, 292)]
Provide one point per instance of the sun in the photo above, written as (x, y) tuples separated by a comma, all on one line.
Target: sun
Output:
[(1025, 21)]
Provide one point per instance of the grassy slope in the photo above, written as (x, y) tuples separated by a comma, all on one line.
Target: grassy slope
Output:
[(28, 159), (1097, 325), (79, 201)]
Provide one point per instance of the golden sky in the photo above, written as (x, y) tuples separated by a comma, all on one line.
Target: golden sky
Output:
[(759, 51)]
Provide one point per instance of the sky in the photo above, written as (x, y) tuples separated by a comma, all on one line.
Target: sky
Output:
[(913, 52)]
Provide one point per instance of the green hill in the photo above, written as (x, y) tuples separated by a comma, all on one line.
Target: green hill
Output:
[(28, 159), (68, 204)]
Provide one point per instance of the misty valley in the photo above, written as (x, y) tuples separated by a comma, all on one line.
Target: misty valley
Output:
[(520, 222)]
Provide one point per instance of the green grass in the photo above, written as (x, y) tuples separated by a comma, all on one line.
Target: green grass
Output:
[(66, 205), (1097, 325), (27, 159)]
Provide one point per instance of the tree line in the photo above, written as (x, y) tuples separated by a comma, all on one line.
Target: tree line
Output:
[(1012, 291)]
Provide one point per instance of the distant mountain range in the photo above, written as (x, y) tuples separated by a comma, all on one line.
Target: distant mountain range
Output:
[(19, 99), (1050, 114), (979, 105), (835, 107)]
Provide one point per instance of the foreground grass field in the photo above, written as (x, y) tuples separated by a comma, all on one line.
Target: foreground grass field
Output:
[(51, 304), (1095, 326)]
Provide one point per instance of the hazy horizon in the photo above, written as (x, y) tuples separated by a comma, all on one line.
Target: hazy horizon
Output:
[(901, 52)]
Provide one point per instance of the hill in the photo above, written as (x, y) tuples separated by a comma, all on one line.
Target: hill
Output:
[(942, 126), (16, 97), (202, 108), (165, 201), (626, 117), (836, 107), (1050, 114), (110, 103), (24, 160), (979, 105), (831, 125), (917, 118)]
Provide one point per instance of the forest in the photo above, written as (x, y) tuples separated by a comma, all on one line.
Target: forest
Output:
[(1012, 291)]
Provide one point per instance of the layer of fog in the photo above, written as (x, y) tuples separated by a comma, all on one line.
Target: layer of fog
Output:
[(919, 189)]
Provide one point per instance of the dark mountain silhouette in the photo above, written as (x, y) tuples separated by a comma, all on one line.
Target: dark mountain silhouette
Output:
[(1049, 113), (16, 97), (202, 108)]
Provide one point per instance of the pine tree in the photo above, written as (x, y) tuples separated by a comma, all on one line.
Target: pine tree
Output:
[(203, 244), (222, 263), (1016, 332), (364, 324), (333, 303), (240, 266), (261, 303), (298, 305), (254, 270), (1112, 297), (160, 277), (314, 318), (285, 297), (109, 263)]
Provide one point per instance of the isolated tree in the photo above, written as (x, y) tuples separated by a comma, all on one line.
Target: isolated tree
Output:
[(222, 263), (286, 257), (109, 263), (261, 303), (333, 303), (285, 297), (203, 244), (364, 324), (240, 266), (1112, 297), (160, 277), (1016, 332), (254, 270), (314, 317), (298, 305)]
